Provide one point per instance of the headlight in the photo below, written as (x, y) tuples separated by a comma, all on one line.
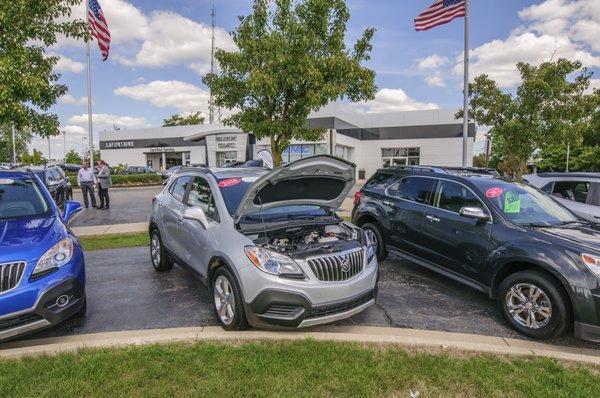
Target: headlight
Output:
[(272, 262), (370, 249), (57, 256), (592, 262)]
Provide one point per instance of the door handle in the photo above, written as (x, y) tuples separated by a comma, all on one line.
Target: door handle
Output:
[(432, 218)]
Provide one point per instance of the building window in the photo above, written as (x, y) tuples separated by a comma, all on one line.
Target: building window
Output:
[(343, 152), (400, 156), (226, 157)]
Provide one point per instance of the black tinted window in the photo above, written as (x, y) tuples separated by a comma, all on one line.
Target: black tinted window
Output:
[(572, 190), (201, 195), (452, 197), (548, 188), (179, 187), (381, 179), (415, 189)]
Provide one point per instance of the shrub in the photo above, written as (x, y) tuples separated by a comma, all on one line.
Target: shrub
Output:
[(126, 180)]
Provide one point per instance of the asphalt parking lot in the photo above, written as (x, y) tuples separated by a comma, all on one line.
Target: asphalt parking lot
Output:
[(125, 293)]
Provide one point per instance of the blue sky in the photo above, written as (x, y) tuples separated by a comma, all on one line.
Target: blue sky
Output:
[(160, 50)]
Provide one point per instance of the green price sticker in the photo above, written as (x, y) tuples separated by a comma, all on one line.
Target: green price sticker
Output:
[(512, 202)]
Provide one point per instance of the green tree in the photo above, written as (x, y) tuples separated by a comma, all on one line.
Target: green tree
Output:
[(22, 138), (35, 159), (182, 120), (73, 157), (291, 60), (549, 108), (28, 85)]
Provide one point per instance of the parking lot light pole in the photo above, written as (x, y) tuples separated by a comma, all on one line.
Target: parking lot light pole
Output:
[(14, 144)]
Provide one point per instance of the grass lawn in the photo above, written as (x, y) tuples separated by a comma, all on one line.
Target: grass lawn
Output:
[(99, 242), (300, 368)]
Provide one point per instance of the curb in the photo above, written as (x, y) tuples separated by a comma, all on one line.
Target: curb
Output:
[(357, 334)]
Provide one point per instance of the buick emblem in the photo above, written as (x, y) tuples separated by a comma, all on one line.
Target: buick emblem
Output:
[(345, 264)]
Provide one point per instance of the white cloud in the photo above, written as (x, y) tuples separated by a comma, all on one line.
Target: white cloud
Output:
[(66, 64), (594, 85), (435, 80), (103, 121), (392, 99), (553, 29), (74, 130), (432, 62), (68, 99), (184, 96), (172, 39)]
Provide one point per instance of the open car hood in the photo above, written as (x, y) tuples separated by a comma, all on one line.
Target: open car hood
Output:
[(321, 180)]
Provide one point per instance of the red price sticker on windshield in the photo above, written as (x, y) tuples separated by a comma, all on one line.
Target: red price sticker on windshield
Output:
[(493, 192), (229, 182)]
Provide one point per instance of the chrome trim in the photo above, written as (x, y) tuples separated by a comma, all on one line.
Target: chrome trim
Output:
[(18, 282), (336, 277), (37, 301), (336, 317), (30, 327), (491, 220)]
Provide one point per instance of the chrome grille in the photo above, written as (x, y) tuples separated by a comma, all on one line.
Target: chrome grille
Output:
[(10, 275), (337, 267)]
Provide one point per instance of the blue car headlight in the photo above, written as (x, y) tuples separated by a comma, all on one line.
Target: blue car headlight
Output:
[(57, 256)]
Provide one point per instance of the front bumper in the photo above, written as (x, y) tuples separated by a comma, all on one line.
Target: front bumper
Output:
[(46, 312), (273, 302)]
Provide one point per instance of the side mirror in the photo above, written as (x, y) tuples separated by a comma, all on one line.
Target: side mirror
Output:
[(475, 213), (70, 208), (196, 213)]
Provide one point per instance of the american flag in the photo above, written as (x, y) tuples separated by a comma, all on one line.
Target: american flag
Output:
[(439, 13), (99, 27)]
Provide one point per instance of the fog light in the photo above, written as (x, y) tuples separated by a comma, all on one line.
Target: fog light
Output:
[(62, 301)]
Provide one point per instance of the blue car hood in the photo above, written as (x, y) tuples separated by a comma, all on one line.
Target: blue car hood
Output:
[(29, 238)]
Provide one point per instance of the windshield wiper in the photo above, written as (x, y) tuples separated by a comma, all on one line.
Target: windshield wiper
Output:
[(536, 225), (573, 222)]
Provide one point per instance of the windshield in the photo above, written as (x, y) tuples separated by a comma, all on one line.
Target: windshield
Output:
[(525, 205), (20, 198), (233, 190), (288, 212)]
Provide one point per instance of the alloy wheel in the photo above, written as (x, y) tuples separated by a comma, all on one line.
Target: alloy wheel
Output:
[(224, 299), (372, 238), (529, 305), (155, 249)]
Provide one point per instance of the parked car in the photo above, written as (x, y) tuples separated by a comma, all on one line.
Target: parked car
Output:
[(170, 171), (70, 167), (267, 243), (140, 169), (580, 192), (42, 272), (507, 239), (55, 180)]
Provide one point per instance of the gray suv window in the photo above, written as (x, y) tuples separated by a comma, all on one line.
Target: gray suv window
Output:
[(201, 195), (414, 189), (452, 197), (179, 187), (572, 190)]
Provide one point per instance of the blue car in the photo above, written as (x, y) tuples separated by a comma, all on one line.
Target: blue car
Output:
[(42, 272)]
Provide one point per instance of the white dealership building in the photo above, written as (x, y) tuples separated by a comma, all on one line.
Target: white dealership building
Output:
[(371, 140)]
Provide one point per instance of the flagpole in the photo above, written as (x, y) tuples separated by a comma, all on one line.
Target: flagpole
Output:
[(466, 90), (89, 95)]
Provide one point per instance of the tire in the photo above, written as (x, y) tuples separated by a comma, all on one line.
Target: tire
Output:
[(161, 261), (83, 310), (373, 231), (225, 283), (550, 315)]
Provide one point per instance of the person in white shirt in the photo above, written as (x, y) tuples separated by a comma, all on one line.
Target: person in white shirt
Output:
[(87, 180)]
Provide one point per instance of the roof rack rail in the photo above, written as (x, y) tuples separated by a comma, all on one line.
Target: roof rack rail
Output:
[(581, 174), (447, 170)]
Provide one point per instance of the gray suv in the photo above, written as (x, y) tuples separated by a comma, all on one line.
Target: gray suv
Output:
[(579, 192), (268, 243)]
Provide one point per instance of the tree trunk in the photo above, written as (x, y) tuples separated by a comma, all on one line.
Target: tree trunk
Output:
[(276, 152)]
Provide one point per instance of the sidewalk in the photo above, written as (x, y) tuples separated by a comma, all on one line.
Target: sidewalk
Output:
[(359, 334)]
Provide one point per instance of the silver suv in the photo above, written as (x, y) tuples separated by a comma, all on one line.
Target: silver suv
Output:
[(579, 192), (268, 243)]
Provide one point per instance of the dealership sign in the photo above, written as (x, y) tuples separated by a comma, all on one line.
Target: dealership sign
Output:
[(227, 141), (119, 144)]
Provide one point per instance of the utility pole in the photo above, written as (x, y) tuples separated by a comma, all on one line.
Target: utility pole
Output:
[(14, 144), (488, 145), (211, 106), (49, 153), (64, 146), (466, 89)]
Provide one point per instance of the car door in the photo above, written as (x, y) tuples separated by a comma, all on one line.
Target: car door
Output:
[(573, 194), (452, 241), (172, 213), (194, 238), (405, 202)]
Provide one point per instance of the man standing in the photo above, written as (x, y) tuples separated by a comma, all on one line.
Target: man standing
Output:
[(86, 180), (104, 182)]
